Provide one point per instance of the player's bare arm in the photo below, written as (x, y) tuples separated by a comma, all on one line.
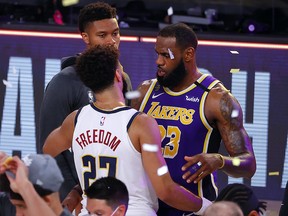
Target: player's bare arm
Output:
[(229, 121), (60, 139), (144, 131), (223, 112)]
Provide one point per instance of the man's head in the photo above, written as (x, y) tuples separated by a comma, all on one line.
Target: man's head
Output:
[(222, 208), (244, 197), (43, 173), (97, 67), (107, 196), (175, 46), (184, 35), (98, 25)]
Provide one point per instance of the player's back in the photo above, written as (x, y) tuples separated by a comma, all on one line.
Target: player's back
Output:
[(102, 147)]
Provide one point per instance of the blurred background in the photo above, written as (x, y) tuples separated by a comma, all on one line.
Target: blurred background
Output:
[(216, 16)]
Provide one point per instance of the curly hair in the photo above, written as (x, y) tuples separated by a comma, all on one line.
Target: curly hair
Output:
[(93, 12), (97, 66), (243, 196), (185, 36)]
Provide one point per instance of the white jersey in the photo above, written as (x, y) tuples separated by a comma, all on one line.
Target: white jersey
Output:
[(102, 147)]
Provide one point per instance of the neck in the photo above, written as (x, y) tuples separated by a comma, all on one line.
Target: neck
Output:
[(109, 99), (189, 79)]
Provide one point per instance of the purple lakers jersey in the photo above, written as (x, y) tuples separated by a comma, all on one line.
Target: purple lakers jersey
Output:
[(184, 128)]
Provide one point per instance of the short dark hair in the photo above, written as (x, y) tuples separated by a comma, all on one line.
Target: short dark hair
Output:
[(93, 12), (111, 189), (97, 66), (185, 36), (243, 196)]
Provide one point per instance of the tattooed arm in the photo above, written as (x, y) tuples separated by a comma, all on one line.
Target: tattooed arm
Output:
[(223, 112), (226, 113)]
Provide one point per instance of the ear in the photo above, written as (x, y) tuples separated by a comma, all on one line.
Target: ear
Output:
[(253, 213), (189, 54), (118, 75), (122, 210), (85, 38)]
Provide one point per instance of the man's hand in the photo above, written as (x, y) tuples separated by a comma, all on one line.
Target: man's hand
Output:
[(17, 175), (3, 162), (73, 199), (207, 163)]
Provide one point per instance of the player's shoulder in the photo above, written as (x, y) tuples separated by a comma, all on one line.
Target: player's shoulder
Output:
[(69, 61), (66, 75), (219, 96), (147, 83), (64, 81), (68, 70), (219, 90), (144, 119), (142, 89)]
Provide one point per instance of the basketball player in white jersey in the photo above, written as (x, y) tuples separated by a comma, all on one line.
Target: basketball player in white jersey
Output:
[(111, 139)]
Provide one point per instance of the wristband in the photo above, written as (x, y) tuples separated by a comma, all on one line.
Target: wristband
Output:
[(223, 161), (205, 204)]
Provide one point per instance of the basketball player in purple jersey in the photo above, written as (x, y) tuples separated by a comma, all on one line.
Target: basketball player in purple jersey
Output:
[(194, 112)]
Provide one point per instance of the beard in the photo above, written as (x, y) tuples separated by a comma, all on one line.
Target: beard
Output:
[(174, 78)]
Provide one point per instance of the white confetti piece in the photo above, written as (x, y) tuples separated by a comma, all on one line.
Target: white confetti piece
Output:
[(170, 54), (8, 84), (234, 52), (234, 114), (162, 170), (66, 3), (169, 144), (146, 82), (170, 11), (150, 147), (132, 94), (236, 161), (234, 70), (273, 173)]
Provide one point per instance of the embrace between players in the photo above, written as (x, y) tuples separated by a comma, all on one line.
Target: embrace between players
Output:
[(188, 115)]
